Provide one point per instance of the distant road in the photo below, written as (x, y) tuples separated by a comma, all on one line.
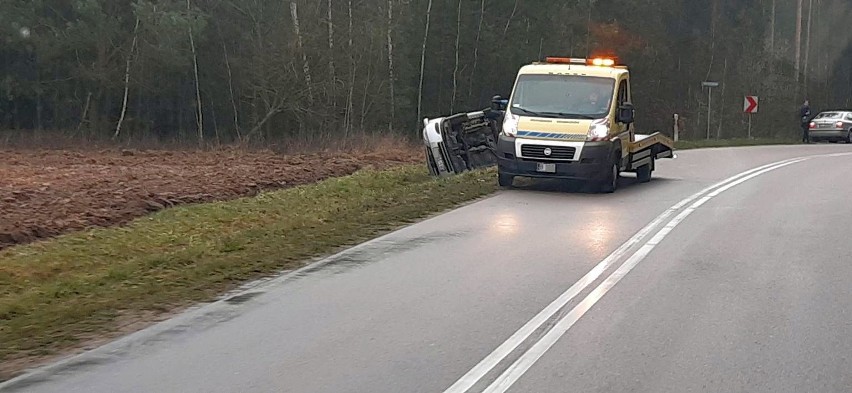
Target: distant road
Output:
[(730, 272)]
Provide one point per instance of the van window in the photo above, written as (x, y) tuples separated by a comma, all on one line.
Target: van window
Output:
[(622, 93), (563, 96)]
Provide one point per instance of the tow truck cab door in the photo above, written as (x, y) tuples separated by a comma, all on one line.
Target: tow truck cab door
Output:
[(623, 124)]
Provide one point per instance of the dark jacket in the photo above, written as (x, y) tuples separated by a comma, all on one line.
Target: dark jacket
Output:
[(805, 113)]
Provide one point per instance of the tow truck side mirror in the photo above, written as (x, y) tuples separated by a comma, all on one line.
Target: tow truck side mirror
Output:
[(626, 113), (498, 103)]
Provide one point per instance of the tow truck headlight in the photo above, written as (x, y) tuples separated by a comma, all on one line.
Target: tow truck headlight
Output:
[(510, 124), (598, 130)]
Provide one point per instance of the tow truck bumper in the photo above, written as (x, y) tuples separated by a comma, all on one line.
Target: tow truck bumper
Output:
[(593, 164)]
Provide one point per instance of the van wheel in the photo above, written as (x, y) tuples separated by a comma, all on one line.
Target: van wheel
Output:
[(505, 180), (849, 137), (643, 173), (610, 182)]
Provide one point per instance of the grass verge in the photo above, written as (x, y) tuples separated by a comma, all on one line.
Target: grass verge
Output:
[(703, 143), (59, 293)]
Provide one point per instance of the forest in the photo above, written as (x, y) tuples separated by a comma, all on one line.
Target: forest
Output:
[(275, 71)]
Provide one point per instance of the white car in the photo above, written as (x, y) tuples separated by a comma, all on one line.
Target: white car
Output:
[(461, 142)]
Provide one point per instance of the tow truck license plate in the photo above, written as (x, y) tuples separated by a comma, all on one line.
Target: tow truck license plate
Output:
[(547, 168)]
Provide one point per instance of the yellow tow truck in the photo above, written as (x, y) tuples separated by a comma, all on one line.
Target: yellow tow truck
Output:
[(572, 118)]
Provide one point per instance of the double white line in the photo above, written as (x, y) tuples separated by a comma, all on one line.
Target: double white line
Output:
[(537, 350)]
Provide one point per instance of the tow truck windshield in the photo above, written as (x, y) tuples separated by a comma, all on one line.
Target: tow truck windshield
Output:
[(562, 96)]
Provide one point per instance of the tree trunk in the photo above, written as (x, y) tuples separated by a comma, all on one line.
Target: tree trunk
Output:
[(85, 115), (332, 75), (823, 54), (589, 29), (350, 106), (476, 49), (294, 13), (456, 65), (798, 40), (423, 65), (215, 125), (127, 79), (269, 114), (231, 92), (199, 112), (367, 79), (808, 44), (39, 104), (722, 106), (772, 28), (512, 16), (390, 67)]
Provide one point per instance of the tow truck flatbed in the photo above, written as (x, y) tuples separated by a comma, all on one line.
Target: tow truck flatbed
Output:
[(647, 148)]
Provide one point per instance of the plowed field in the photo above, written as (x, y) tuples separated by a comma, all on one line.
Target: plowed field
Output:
[(45, 193)]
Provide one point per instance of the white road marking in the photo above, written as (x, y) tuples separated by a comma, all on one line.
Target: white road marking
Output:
[(520, 366), (489, 362)]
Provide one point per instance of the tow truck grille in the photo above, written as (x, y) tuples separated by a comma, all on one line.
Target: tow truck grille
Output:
[(556, 152)]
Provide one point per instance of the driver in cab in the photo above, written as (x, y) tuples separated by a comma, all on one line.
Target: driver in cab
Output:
[(592, 104)]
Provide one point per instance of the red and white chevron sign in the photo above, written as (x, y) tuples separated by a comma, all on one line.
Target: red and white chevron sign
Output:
[(751, 104)]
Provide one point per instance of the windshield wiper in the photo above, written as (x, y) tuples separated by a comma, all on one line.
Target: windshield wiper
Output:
[(568, 115), (554, 114), (528, 112)]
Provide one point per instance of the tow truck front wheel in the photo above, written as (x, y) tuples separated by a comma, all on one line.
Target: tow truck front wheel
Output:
[(610, 182), (505, 180)]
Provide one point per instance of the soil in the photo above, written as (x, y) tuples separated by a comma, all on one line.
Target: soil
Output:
[(46, 193)]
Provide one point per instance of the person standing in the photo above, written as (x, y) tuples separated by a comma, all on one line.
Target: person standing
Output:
[(805, 118)]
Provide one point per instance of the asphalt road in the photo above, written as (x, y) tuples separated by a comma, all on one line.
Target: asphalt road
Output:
[(671, 286)]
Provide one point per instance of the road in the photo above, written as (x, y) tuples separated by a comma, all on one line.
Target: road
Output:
[(671, 286)]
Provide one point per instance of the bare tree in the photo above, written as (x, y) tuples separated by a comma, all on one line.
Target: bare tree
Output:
[(772, 27), (199, 113), (512, 16), (423, 64), (231, 91), (331, 53), (350, 106), (808, 43), (85, 115), (294, 13), (126, 81), (798, 39), (456, 65), (476, 47), (391, 78)]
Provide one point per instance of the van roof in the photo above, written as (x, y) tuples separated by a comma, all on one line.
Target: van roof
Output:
[(573, 69)]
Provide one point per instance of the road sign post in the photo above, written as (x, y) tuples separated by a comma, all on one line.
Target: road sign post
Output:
[(676, 127), (709, 86), (749, 126), (751, 105)]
